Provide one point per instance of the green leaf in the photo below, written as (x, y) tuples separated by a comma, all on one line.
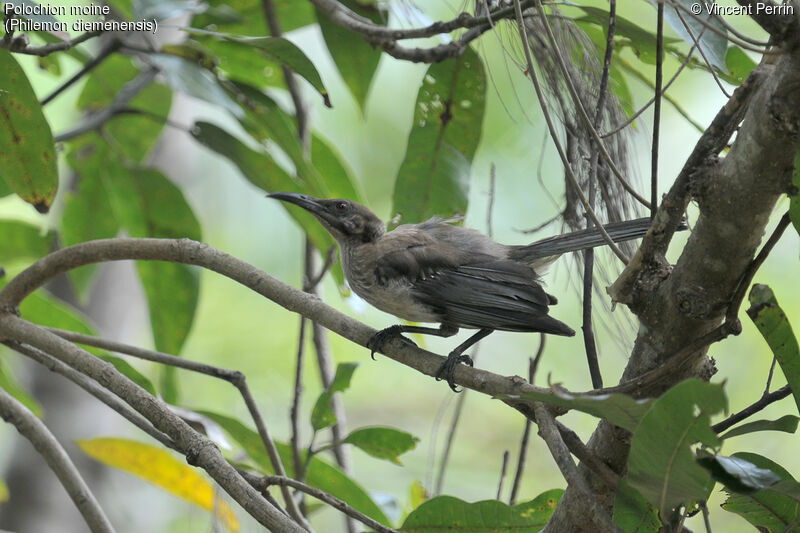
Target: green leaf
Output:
[(261, 170), (787, 424), (739, 65), (382, 442), (713, 44), (619, 409), (325, 176), (186, 77), (445, 513), (774, 509), (661, 465), (135, 134), (737, 474), (239, 63), (322, 415), (105, 81), (42, 309), (149, 205), (339, 177), (641, 41), (5, 189), (88, 214), (773, 325), (356, 59), (632, 512), (344, 374), (27, 152), (9, 384), (50, 64), (245, 17), (279, 50), (434, 176), (794, 200), (20, 240), (320, 474)]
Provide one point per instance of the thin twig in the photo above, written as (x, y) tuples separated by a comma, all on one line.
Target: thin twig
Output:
[(582, 452), (702, 53), (551, 436), (376, 34), (294, 411), (664, 94), (49, 48), (554, 136), (755, 264), (582, 114), (538, 357), (451, 432), (657, 110), (526, 433), (731, 325), (91, 386), (706, 521), (742, 44), (750, 410), (125, 95), (589, 343), (232, 376), (644, 108), (33, 429), (503, 469), (263, 482), (84, 70), (769, 376), (490, 207)]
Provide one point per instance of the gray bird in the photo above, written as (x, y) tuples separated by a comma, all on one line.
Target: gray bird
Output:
[(446, 274)]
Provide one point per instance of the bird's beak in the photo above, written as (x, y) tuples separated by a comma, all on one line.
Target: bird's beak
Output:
[(309, 203)]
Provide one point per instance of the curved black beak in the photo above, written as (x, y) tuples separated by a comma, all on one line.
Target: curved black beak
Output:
[(309, 203)]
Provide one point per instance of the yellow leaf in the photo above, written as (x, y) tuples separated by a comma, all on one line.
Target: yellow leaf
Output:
[(4, 494), (418, 495), (160, 468)]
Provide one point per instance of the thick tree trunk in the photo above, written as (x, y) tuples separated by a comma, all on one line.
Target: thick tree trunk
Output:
[(736, 196)]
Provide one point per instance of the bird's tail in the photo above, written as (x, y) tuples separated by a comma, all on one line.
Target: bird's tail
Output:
[(580, 240)]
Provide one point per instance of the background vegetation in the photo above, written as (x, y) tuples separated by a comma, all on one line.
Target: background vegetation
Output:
[(179, 134)]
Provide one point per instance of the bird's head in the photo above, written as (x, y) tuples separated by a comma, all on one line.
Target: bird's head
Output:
[(347, 221)]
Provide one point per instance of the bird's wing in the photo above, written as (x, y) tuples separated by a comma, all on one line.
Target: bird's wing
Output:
[(413, 254), (495, 294), (465, 288)]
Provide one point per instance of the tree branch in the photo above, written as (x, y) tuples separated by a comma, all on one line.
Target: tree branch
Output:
[(549, 433), (49, 48), (33, 429), (262, 483), (90, 386), (199, 450), (234, 377), (191, 252), (125, 95)]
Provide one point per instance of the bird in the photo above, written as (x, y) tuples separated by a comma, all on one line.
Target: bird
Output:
[(438, 272)]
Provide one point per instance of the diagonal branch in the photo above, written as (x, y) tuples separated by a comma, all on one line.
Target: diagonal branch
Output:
[(199, 450), (33, 429)]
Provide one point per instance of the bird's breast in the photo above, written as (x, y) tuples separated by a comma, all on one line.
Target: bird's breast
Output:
[(393, 296)]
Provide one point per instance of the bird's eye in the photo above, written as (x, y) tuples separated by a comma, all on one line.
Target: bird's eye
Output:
[(341, 207)]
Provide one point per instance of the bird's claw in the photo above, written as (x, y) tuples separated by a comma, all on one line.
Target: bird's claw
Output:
[(377, 341), (448, 369)]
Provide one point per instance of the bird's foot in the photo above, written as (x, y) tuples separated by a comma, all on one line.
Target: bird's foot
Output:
[(448, 369), (376, 343)]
